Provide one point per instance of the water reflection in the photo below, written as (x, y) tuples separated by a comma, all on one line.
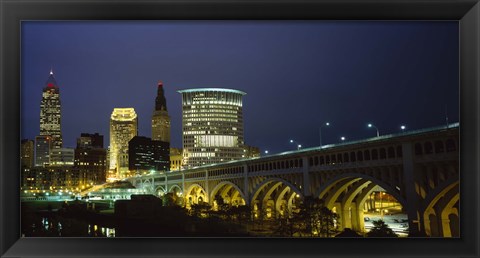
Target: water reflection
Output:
[(54, 226), (99, 231)]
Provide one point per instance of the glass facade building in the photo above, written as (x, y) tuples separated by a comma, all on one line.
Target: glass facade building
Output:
[(212, 125)]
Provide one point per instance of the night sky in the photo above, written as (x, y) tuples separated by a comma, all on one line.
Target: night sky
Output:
[(297, 75)]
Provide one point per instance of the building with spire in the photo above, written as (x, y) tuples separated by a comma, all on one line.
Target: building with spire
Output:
[(212, 125), (50, 112), (160, 118), (123, 127)]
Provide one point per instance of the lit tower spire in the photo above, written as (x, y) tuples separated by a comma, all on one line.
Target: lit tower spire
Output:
[(160, 118)]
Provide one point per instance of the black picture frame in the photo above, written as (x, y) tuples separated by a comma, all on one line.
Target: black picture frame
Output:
[(12, 12)]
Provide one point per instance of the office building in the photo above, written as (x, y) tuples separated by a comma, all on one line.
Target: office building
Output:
[(146, 155), (176, 159), (27, 153), (212, 125), (87, 140), (251, 151), (91, 159), (50, 113), (42, 150), (62, 157), (123, 127)]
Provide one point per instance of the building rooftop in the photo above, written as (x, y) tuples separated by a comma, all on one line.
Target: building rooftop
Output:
[(212, 89)]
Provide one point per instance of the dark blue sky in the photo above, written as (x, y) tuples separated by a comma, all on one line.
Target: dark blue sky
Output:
[(297, 74)]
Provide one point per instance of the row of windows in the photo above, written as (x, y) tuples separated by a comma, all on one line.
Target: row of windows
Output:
[(284, 164), (373, 154), (353, 156), (222, 107), (435, 147), (234, 170)]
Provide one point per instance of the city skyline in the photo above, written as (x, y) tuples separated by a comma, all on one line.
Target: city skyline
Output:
[(234, 60)]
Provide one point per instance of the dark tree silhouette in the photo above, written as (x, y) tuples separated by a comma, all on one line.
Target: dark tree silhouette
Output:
[(381, 229), (312, 219)]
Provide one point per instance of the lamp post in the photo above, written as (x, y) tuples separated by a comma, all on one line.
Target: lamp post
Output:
[(298, 145), (371, 125), (320, 132)]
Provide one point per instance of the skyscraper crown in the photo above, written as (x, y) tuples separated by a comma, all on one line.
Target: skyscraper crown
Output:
[(51, 82), (160, 101)]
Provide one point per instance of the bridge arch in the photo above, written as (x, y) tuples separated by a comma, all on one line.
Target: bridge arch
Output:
[(159, 191), (347, 193), (195, 194), (354, 176), (173, 189), (268, 202), (263, 184), (441, 217), (147, 185), (224, 187)]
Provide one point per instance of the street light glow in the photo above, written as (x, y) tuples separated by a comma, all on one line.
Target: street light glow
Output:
[(402, 127), (266, 152), (342, 138), (376, 128)]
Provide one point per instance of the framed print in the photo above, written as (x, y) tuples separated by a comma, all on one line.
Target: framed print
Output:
[(237, 128)]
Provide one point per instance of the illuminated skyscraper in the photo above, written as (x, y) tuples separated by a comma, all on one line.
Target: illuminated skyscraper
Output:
[(160, 118), (50, 112), (212, 126), (123, 127)]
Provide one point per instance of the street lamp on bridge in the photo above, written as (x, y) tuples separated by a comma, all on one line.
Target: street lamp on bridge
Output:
[(320, 132), (371, 125), (295, 142)]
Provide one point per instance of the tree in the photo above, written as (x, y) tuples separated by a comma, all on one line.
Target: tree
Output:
[(311, 219), (381, 229), (318, 219), (348, 232), (201, 209)]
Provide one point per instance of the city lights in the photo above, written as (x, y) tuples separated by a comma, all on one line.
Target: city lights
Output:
[(197, 175)]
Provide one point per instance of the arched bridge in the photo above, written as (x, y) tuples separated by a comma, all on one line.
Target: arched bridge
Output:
[(419, 168)]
